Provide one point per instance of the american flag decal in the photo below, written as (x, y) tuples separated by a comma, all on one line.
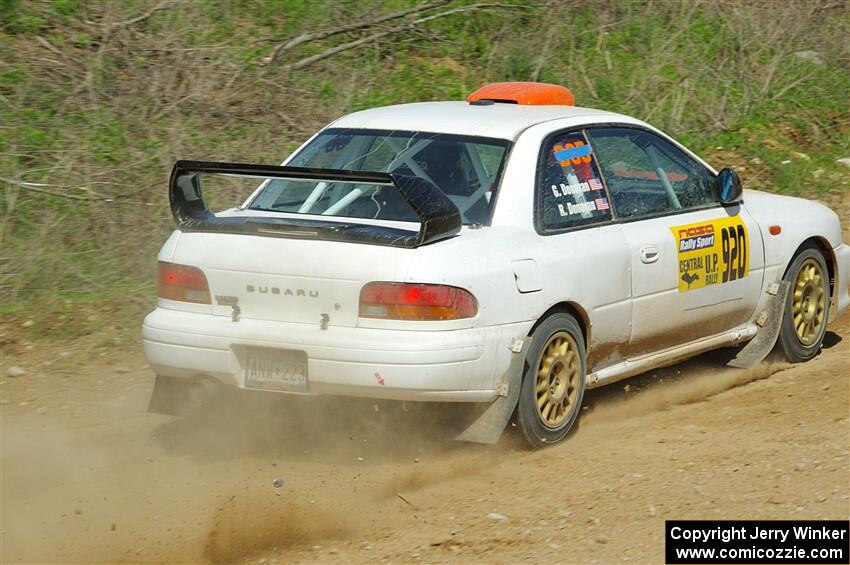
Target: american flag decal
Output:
[(594, 184), (602, 203)]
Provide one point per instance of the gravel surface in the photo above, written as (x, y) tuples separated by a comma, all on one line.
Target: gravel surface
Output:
[(89, 475)]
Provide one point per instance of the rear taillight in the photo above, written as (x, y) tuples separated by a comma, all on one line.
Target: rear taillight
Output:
[(405, 301), (181, 282)]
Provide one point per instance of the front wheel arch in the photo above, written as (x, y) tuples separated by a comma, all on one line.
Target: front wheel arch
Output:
[(796, 346), (829, 257)]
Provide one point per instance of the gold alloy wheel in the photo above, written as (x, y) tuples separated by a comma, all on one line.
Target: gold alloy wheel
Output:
[(557, 380), (808, 304)]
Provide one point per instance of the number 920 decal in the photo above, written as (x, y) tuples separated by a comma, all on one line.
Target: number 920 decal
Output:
[(712, 252)]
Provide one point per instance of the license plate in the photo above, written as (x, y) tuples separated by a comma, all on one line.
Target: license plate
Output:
[(276, 369)]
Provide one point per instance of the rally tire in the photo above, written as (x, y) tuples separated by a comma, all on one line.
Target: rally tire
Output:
[(554, 381), (807, 307)]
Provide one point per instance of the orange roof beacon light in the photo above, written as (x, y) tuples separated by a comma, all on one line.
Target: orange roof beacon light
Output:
[(527, 93)]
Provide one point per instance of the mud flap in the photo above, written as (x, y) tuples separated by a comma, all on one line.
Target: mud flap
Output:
[(489, 426), (177, 397), (770, 320), (169, 396)]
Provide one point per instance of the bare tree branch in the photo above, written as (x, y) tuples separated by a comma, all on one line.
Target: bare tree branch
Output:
[(316, 35), (791, 85), (307, 61), (544, 54), (162, 5), (40, 188), (47, 45)]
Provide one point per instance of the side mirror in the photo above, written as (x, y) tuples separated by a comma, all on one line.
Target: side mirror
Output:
[(730, 186)]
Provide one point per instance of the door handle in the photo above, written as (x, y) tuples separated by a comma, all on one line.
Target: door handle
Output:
[(649, 254)]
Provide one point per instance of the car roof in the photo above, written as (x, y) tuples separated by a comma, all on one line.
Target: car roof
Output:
[(499, 120)]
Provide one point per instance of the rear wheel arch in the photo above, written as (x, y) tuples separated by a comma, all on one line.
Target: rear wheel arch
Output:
[(553, 379), (573, 309)]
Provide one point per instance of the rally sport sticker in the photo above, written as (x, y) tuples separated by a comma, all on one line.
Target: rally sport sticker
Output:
[(712, 252)]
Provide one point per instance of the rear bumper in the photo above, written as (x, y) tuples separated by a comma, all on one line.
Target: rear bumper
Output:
[(453, 366)]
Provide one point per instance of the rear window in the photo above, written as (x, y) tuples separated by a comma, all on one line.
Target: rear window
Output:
[(570, 193), (466, 169)]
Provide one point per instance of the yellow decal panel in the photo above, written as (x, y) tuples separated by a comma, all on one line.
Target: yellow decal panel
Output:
[(712, 252)]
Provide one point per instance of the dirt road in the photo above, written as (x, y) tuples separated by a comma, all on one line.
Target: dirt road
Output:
[(89, 475)]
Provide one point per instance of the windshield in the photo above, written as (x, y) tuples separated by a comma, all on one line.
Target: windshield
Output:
[(465, 168)]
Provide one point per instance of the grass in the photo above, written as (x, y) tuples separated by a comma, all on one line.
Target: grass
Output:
[(96, 109)]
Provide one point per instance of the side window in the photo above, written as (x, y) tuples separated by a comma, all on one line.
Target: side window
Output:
[(569, 190), (647, 175)]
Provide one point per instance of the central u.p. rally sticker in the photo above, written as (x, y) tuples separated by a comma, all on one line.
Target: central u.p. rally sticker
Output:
[(712, 252)]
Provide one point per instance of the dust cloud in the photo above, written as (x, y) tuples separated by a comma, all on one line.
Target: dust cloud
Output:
[(690, 382), (114, 483)]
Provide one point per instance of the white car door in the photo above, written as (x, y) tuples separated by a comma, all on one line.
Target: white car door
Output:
[(585, 257), (696, 265)]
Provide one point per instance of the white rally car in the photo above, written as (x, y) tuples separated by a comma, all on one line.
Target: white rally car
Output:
[(512, 249)]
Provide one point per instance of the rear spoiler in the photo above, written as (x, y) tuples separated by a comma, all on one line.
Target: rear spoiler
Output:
[(438, 216)]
